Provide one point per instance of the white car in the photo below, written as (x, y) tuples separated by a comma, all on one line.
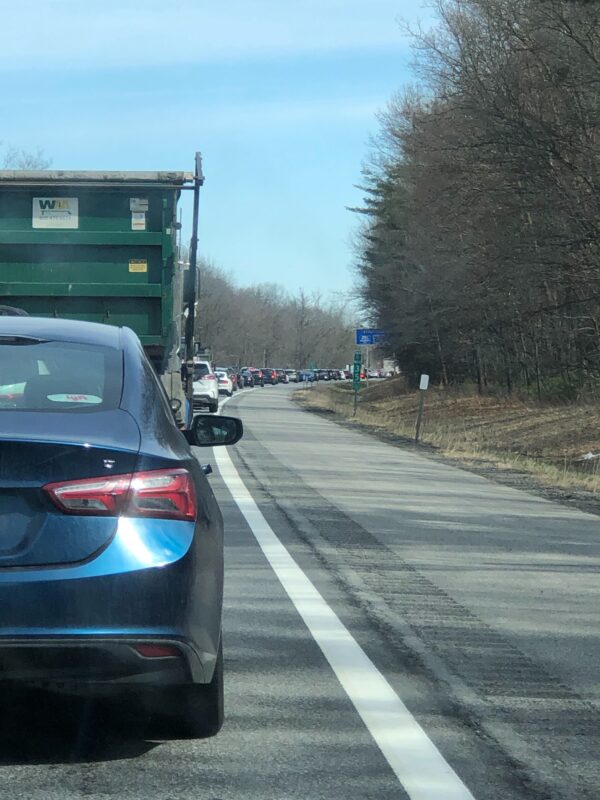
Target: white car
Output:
[(225, 383), (206, 387), (292, 375)]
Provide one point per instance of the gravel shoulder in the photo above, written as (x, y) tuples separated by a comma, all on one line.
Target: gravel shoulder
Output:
[(499, 466)]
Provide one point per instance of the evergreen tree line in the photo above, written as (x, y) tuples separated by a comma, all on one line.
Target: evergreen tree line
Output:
[(479, 249), (264, 325)]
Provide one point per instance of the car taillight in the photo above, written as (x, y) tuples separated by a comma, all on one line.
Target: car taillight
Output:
[(209, 378), (161, 493), (157, 650)]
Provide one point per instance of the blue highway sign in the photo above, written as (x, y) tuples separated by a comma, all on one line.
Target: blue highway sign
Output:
[(370, 336)]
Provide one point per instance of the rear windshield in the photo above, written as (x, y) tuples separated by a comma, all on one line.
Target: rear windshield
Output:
[(59, 376), (200, 371)]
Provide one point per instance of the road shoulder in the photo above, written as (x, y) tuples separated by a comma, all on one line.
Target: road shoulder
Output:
[(580, 499)]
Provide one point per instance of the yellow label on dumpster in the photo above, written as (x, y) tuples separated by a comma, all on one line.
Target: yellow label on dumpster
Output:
[(138, 265)]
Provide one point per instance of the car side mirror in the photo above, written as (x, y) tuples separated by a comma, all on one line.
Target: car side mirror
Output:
[(209, 430), (175, 404)]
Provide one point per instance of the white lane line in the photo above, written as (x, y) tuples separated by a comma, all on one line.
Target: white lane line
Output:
[(417, 763), (223, 403)]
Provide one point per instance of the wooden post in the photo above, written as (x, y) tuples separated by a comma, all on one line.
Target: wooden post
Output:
[(422, 389)]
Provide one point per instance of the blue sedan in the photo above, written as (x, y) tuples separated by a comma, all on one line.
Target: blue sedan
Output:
[(111, 540)]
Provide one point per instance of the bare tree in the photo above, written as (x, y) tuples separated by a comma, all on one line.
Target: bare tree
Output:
[(265, 326), (16, 158), (479, 246)]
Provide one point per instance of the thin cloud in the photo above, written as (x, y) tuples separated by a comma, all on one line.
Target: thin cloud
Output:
[(95, 127), (291, 114), (45, 37)]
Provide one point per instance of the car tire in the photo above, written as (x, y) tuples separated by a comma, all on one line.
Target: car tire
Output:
[(213, 406), (201, 706), (193, 710)]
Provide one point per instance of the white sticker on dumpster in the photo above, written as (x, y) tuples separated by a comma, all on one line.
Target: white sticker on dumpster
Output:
[(138, 204), (138, 220), (55, 212)]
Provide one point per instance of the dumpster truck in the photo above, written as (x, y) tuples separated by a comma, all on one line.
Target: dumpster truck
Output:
[(97, 246)]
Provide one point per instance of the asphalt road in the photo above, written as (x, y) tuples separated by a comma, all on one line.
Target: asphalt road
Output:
[(459, 617)]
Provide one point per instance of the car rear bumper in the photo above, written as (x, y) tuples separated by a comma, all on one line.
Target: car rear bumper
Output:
[(203, 400), (89, 661), (156, 582)]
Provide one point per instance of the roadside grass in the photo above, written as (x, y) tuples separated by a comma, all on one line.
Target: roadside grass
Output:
[(542, 440)]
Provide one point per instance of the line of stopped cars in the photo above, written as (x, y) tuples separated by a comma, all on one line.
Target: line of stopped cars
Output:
[(212, 382), (111, 539)]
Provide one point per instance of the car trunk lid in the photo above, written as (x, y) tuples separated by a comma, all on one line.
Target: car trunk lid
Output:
[(38, 448)]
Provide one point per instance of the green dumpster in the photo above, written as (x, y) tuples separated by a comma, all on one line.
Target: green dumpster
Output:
[(97, 246)]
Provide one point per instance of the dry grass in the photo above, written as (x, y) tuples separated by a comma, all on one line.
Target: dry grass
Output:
[(543, 440)]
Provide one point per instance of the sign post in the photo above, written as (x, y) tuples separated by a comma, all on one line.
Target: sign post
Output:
[(423, 385), (367, 337), (356, 378)]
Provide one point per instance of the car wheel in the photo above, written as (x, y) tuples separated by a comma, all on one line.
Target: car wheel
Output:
[(213, 406), (230, 394), (201, 706), (192, 710)]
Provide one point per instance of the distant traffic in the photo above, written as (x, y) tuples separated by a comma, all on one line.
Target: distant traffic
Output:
[(212, 382)]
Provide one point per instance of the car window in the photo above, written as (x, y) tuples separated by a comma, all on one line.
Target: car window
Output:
[(58, 376), (200, 372)]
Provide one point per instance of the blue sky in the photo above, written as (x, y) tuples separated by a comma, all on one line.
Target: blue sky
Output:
[(280, 97)]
